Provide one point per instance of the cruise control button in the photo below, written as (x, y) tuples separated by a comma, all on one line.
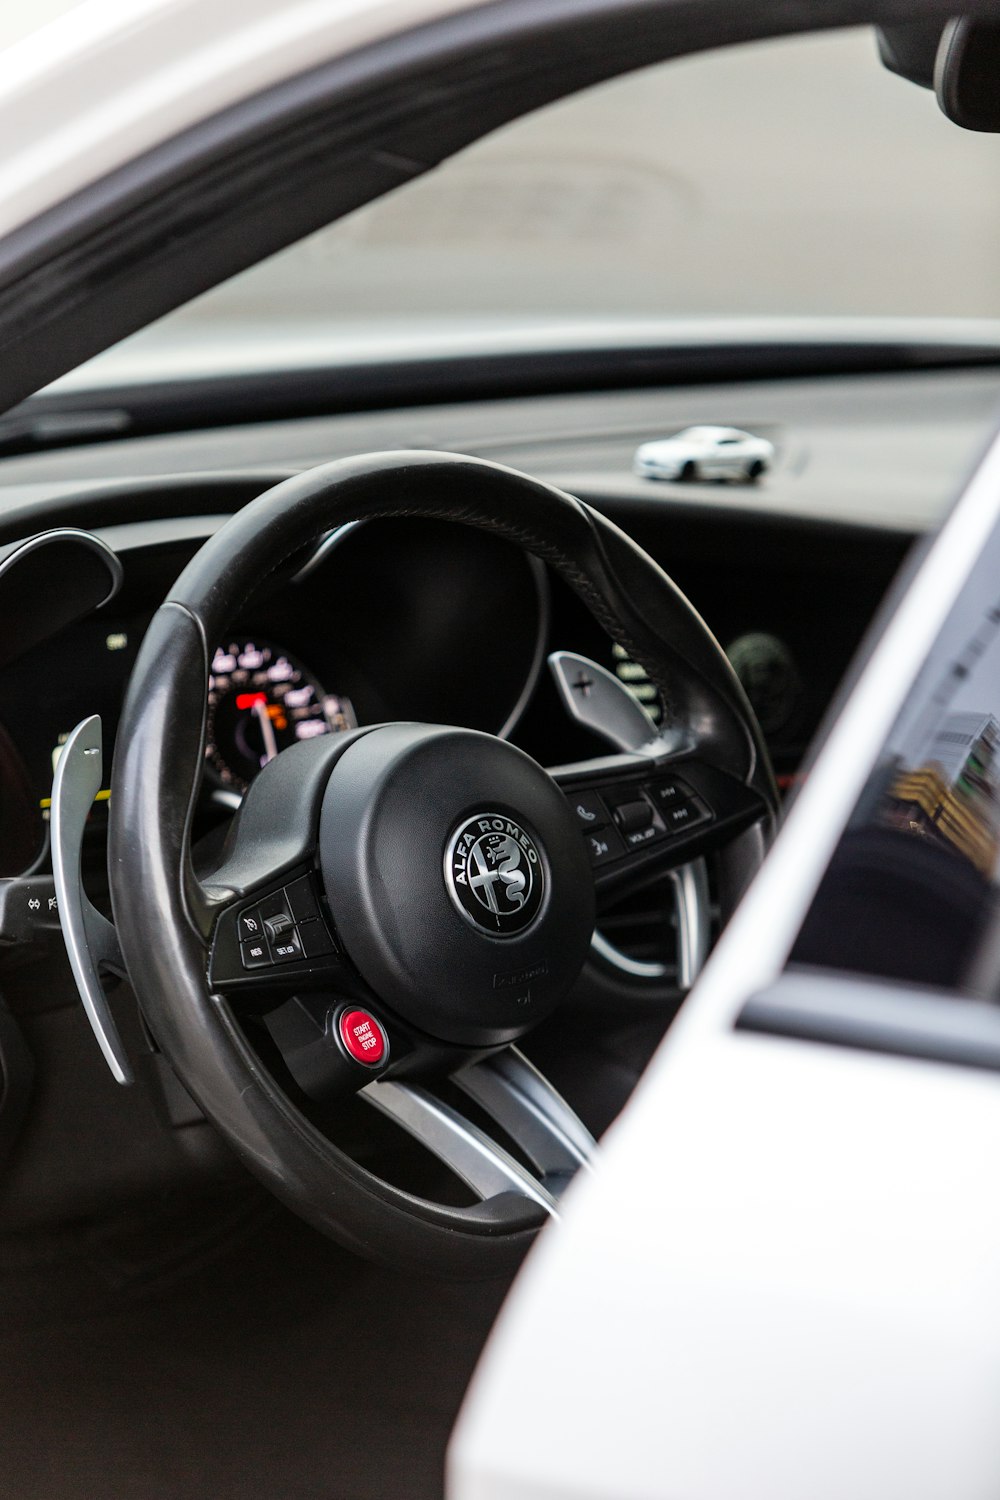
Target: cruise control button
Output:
[(278, 925), (363, 1037), (604, 846), (250, 926), (301, 899), (634, 815), (254, 954), (286, 948), (687, 815), (588, 809)]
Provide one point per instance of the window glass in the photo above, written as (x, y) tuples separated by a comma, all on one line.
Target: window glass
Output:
[(788, 179), (911, 892)]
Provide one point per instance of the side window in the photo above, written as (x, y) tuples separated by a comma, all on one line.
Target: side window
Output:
[(678, 192)]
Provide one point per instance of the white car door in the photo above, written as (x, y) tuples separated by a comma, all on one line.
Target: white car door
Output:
[(781, 1277), (730, 457)]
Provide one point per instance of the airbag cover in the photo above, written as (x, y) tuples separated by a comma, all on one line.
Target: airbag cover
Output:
[(457, 879)]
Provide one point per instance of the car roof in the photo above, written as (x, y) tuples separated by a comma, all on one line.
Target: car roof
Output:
[(712, 432)]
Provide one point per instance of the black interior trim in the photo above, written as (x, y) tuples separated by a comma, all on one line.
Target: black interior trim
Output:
[(128, 502), (62, 419)]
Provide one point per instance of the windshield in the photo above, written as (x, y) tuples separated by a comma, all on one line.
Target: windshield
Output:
[(794, 179)]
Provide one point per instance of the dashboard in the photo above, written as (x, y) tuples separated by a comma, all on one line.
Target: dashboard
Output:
[(396, 619), (428, 621)]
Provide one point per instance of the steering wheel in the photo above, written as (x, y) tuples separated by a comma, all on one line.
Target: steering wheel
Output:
[(400, 904)]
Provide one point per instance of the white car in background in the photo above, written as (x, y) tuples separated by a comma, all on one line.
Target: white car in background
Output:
[(705, 453)]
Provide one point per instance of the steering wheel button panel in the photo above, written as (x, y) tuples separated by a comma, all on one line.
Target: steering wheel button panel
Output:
[(655, 820), (363, 1037), (279, 939)]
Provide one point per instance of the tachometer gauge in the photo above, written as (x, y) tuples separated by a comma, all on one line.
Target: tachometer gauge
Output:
[(261, 699)]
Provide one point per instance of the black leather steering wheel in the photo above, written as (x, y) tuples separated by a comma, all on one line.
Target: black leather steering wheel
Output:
[(401, 903)]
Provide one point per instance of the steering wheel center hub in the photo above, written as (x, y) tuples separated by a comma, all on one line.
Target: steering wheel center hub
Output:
[(454, 872)]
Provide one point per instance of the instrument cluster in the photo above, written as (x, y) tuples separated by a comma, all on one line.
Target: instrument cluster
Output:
[(261, 699), (404, 620)]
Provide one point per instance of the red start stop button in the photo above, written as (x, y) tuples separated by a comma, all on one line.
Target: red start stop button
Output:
[(363, 1037)]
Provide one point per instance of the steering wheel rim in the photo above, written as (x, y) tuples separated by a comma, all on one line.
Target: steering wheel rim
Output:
[(166, 916)]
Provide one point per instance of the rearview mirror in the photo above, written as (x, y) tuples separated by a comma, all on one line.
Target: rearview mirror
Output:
[(967, 73), (960, 61), (909, 49)]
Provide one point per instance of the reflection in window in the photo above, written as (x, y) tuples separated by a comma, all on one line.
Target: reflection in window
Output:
[(911, 892)]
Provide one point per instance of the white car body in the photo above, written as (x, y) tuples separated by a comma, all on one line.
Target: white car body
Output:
[(705, 453), (800, 1300)]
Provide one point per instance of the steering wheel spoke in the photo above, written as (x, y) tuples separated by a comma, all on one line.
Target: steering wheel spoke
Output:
[(642, 816), (522, 1101), (532, 1115)]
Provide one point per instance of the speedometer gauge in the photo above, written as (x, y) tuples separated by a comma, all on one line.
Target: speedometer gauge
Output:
[(261, 699)]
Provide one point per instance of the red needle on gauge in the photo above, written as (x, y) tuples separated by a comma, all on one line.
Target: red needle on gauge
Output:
[(266, 729)]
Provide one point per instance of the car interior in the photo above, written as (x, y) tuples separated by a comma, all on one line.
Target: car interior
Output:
[(168, 1326)]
